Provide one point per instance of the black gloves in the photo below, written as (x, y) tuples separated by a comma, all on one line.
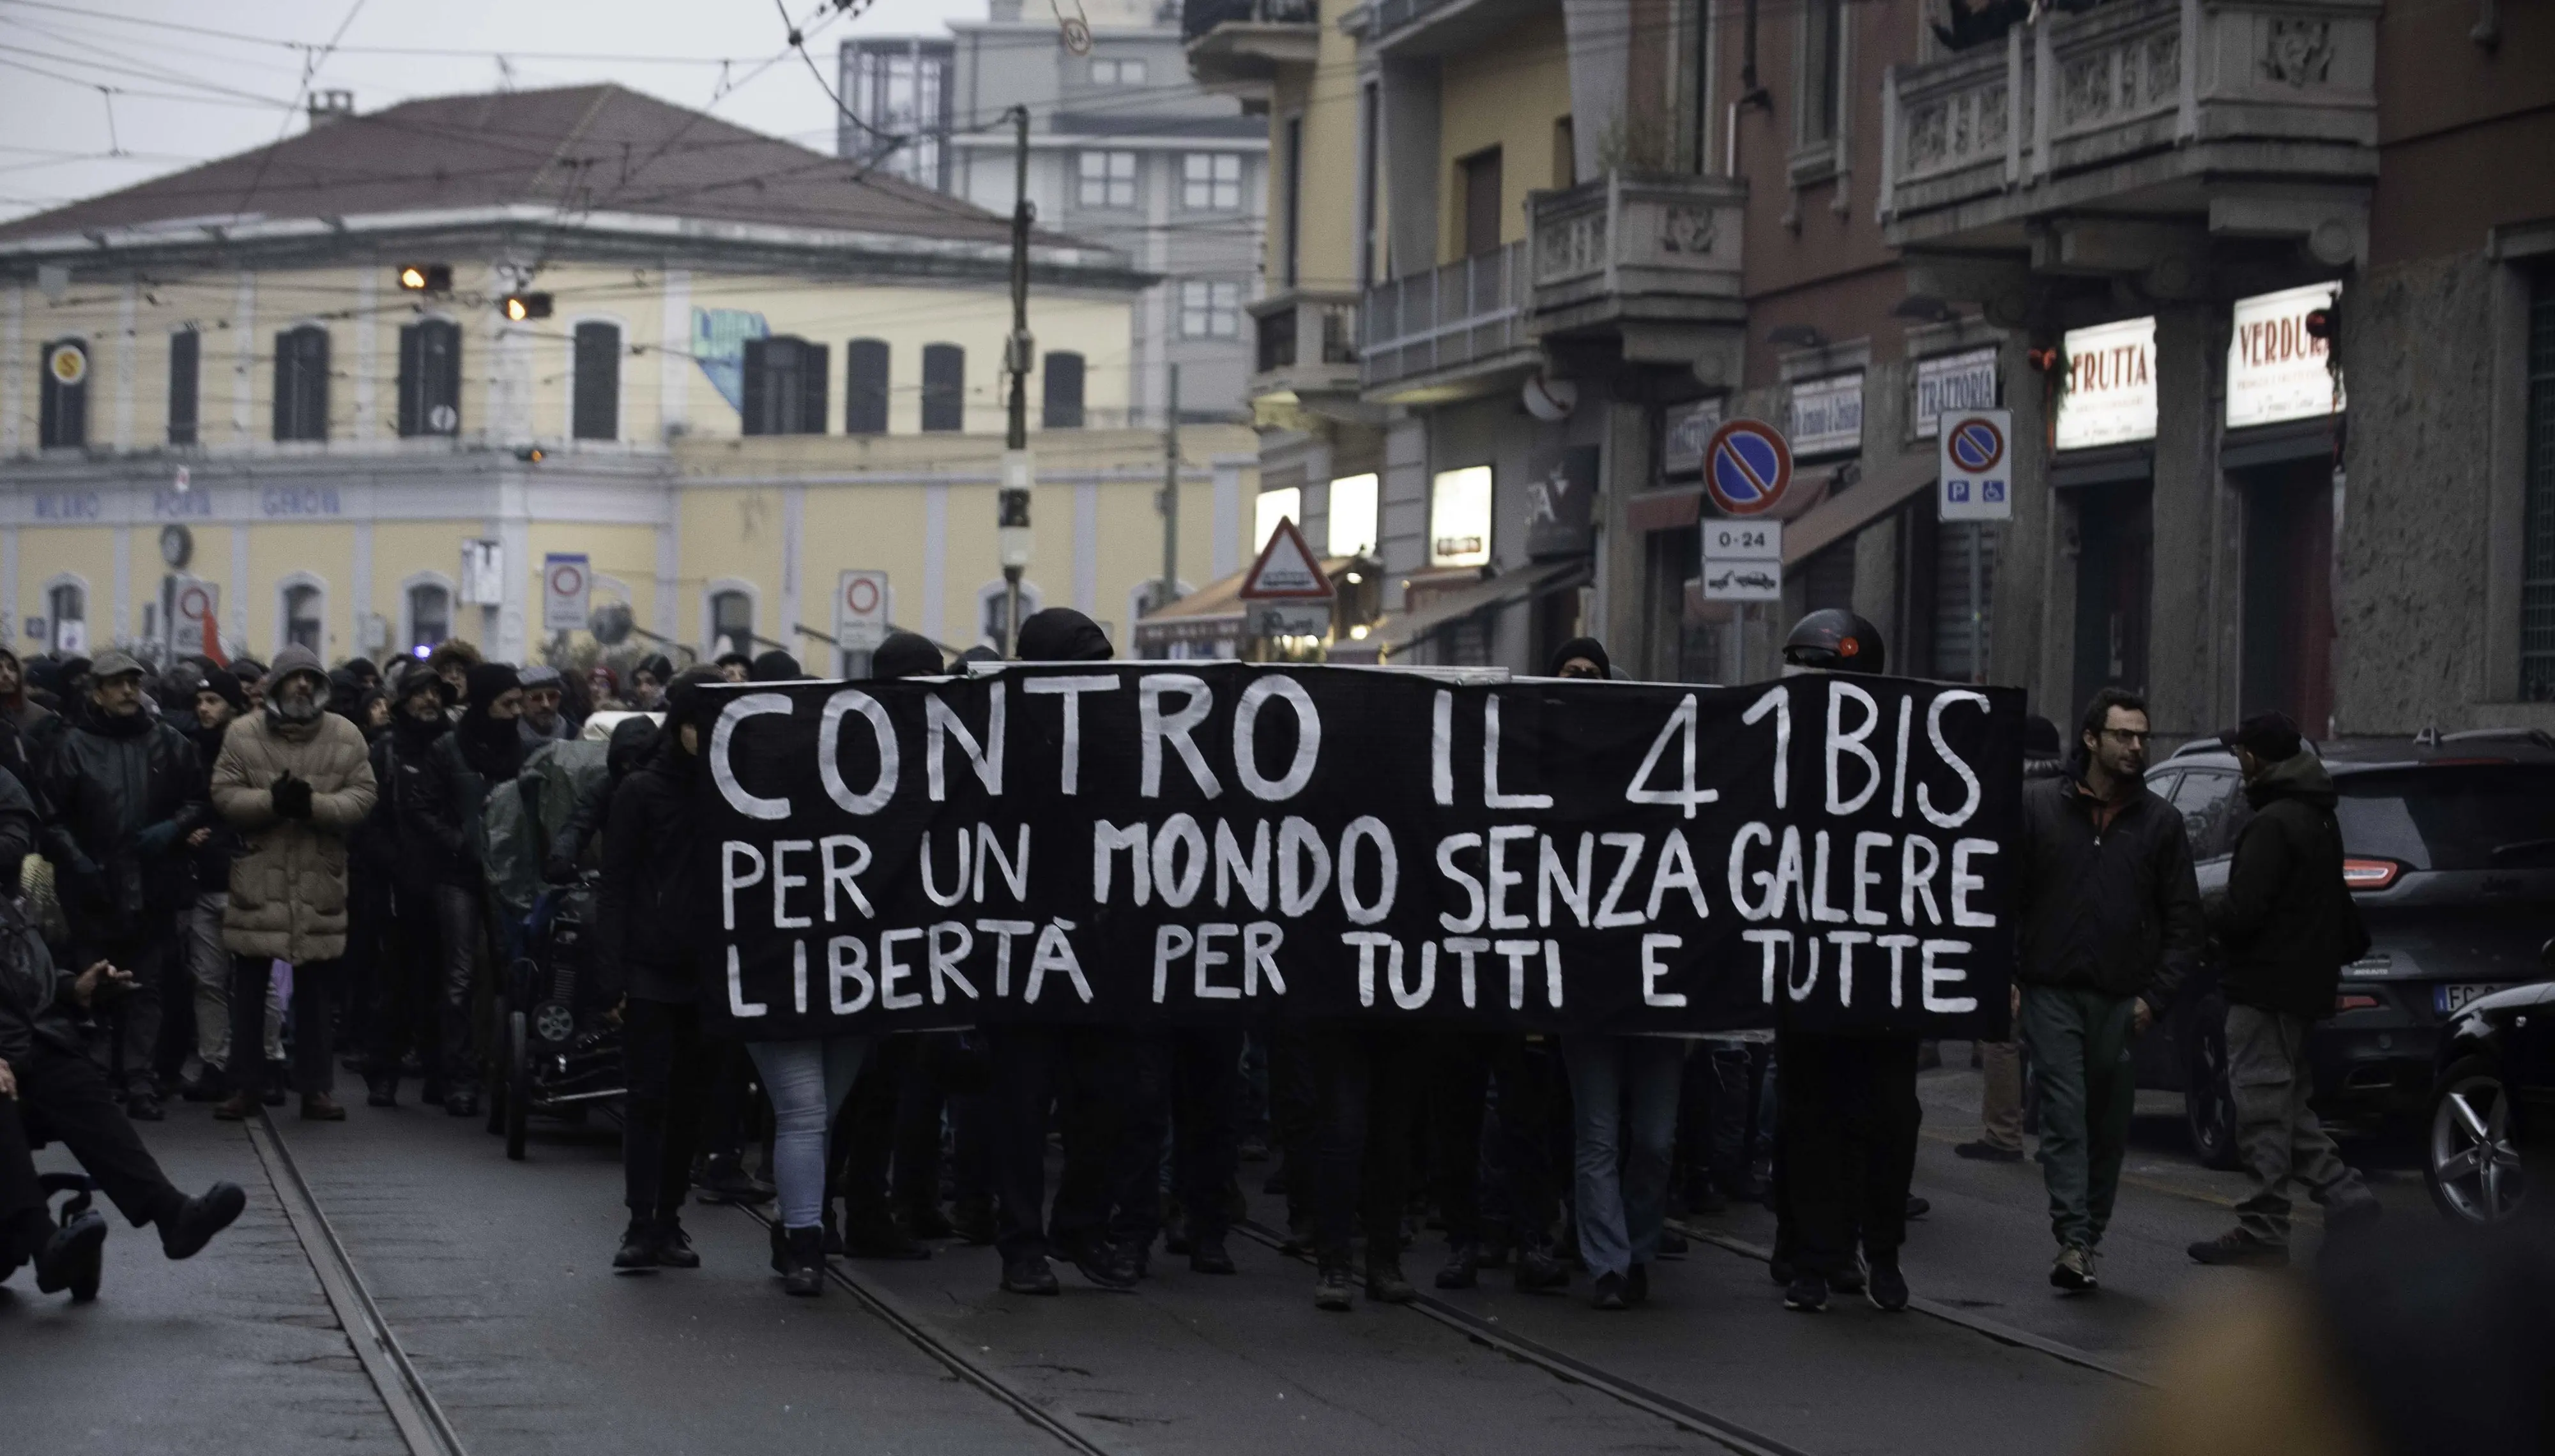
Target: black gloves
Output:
[(292, 797), (559, 869)]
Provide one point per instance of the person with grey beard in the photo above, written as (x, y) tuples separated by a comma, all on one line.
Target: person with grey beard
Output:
[(294, 779)]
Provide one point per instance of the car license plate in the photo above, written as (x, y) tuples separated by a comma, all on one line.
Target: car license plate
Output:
[(2449, 997)]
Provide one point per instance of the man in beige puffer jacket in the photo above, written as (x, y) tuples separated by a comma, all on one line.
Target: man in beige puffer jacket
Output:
[(294, 779)]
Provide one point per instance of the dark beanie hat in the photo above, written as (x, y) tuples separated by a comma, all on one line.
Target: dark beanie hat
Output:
[(905, 655), (775, 666), (686, 702), (226, 685), (488, 681), (1062, 635), (416, 678), (1582, 647)]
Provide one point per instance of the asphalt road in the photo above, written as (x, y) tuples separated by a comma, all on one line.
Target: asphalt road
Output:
[(494, 1280)]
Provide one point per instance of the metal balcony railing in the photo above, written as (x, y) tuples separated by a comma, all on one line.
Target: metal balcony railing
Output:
[(1469, 311), (1197, 17), (2062, 99)]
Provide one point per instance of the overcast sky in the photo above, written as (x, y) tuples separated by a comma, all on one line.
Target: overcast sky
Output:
[(176, 95)]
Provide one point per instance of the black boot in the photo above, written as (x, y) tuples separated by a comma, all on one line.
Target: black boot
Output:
[(675, 1247), (1208, 1255), (187, 1228), (638, 1248), (806, 1276), (974, 1221), (874, 1235), (1331, 1287), (1384, 1283), (780, 1247), (1539, 1268), (381, 1089), (1463, 1267), (725, 1180)]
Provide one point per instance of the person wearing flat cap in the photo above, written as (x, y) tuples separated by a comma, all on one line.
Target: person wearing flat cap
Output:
[(124, 793), (2288, 926)]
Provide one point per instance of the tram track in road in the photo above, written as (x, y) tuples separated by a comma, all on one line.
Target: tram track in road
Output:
[(411, 1406), (1997, 1330), (1680, 1413), (892, 1312)]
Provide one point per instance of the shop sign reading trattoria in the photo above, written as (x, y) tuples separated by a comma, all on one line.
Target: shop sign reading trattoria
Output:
[(1952, 383)]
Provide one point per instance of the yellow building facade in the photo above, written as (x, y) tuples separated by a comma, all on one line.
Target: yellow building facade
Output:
[(720, 413)]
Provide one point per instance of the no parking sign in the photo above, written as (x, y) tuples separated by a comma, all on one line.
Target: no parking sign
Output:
[(1748, 467), (1977, 465), (860, 611), (567, 585)]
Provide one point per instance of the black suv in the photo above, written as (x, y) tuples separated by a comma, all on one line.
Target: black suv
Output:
[(2450, 851)]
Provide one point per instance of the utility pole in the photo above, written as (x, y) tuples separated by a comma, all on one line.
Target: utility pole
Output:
[(1170, 591), (1019, 476)]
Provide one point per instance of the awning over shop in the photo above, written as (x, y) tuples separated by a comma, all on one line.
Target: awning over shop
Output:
[(1212, 613), (1450, 605), (1842, 514)]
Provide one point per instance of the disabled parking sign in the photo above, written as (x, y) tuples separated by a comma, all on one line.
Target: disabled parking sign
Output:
[(1976, 467)]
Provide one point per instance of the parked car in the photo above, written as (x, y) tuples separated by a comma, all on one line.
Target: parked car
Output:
[(2491, 1130), (2449, 844)]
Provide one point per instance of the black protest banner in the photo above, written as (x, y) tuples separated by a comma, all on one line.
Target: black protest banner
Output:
[(1221, 842)]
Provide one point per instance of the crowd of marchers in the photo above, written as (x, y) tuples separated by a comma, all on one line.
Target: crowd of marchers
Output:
[(240, 858)]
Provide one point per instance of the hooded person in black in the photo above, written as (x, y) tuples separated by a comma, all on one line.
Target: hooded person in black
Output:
[(906, 655), (403, 849), (485, 748), (647, 928), (1092, 1070)]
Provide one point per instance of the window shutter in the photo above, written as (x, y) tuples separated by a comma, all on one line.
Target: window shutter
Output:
[(314, 384), (444, 359), (598, 382), (944, 387), (412, 380), (1061, 375), (184, 361), (753, 406), (285, 372), (865, 380), (812, 387)]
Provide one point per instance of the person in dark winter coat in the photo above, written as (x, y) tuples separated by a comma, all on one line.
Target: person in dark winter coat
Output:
[(2001, 1087), (646, 937), (633, 741), (906, 655), (124, 792), (1093, 1071), (402, 848), (2109, 928), (26, 726), (542, 719), (218, 702), (483, 750), (45, 1072), (775, 666), (647, 682), (2287, 925)]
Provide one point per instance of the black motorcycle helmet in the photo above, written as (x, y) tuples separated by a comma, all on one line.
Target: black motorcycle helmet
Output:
[(1834, 640)]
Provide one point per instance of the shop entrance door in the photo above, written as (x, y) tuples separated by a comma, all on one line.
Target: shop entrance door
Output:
[(2288, 594), (2115, 573)]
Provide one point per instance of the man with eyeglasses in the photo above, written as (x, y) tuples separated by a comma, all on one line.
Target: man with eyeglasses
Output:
[(2111, 925)]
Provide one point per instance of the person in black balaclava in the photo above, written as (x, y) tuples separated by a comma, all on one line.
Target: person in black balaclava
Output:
[(485, 748), (1092, 1069), (775, 666), (404, 852), (906, 655)]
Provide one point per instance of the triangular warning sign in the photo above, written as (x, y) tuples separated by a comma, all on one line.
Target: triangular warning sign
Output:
[(1288, 569)]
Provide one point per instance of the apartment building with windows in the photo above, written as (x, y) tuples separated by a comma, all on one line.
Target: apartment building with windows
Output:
[(741, 368), (1560, 241), (1125, 151)]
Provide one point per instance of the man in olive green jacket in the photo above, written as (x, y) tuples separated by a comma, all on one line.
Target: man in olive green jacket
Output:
[(294, 779)]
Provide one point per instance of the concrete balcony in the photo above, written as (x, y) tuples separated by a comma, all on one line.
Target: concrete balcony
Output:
[(1242, 44), (2258, 115), (1452, 331), (1647, 261), (1304, 346)]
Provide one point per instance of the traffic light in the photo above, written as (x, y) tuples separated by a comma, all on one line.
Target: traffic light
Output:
[(425, 278), (530, 454), (520, 307)]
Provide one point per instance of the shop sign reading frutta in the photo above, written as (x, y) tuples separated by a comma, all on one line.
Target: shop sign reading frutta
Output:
[(2108, 397)]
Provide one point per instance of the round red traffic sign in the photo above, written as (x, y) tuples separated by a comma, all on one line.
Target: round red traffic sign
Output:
[(567, 578), (861, 596), (1976, 445), (1746, 467), (195, 604)]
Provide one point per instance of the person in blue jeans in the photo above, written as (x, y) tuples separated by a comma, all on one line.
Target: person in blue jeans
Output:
[(807, 1081), (1622, 1113)]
